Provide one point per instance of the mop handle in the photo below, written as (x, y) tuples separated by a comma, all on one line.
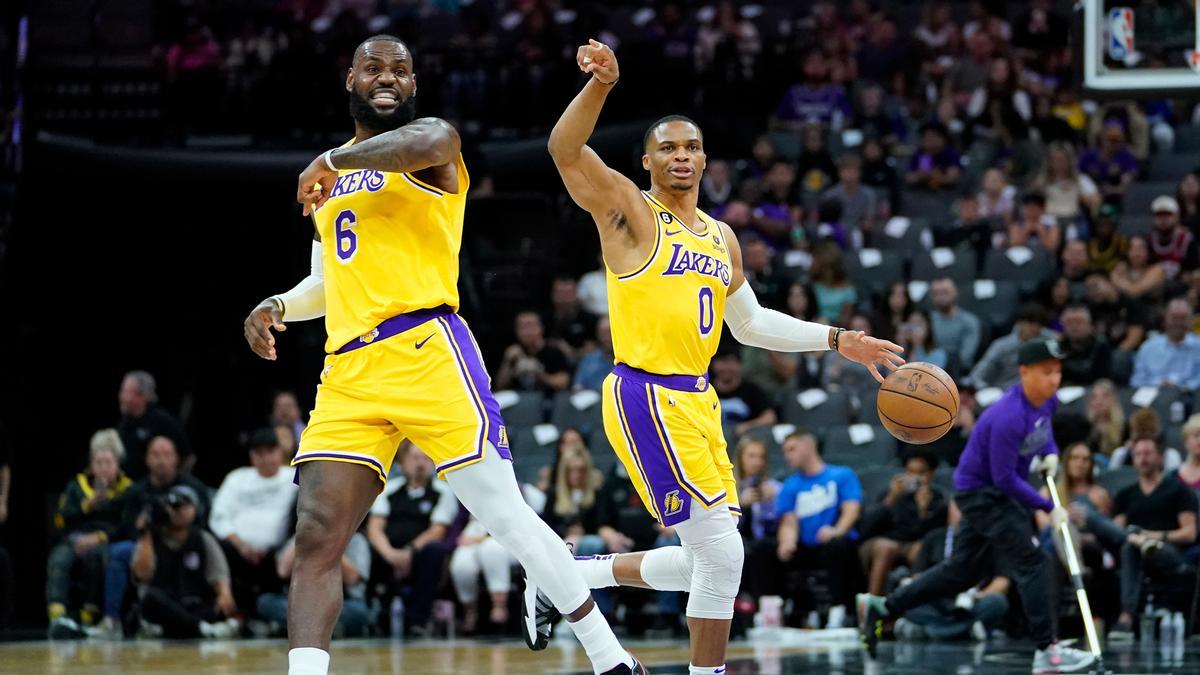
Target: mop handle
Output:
[(1085, 607)]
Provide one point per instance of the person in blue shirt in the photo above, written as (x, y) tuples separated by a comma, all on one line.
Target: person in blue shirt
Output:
[(1173, 356), (994, 495), (818, 506)]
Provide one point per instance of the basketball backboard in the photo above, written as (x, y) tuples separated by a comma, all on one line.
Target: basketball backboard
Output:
[(1138, 48)]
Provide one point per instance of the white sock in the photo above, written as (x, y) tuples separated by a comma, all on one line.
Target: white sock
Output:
[(599, 642), (308, 661), (667, 569), (706, 670), (597, 570)]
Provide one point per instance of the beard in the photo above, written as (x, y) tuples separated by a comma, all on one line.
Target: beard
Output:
[(364, 114)]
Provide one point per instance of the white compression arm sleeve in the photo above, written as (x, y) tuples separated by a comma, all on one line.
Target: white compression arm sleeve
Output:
[(307, 299), (755, 325)]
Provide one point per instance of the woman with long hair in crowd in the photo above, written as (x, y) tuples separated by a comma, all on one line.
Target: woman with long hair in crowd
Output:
[(1189, 471), (1107, 418), (1188, 196), (916, 337), (756, 489), (1069, 194), (1138, 276), (573, 508), (831, 284), (894, 308)]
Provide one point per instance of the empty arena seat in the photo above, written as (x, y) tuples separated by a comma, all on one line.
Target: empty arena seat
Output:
[(527, 410), (874, 271), (816, 409), (529, 455), (875, 481), (994, 302), (1028, 274), (839, 446), (1170, 404), (958, 264), (580, 410), (1116, 479), (908, 236)]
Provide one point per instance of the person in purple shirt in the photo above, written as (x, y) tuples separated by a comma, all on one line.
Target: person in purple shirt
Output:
[(994, 496), (816, 99), (1112, 166)]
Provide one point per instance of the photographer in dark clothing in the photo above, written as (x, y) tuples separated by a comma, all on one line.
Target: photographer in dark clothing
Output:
[(184, 574)]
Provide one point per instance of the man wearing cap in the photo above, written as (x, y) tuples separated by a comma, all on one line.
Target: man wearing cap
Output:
[(994, 496), (184, 577), (1174, 246)]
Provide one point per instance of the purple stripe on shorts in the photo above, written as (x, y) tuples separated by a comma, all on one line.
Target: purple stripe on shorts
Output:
[(394, 326), (671, 500), (692, 383), (300, 459), (467, 359), (629, 442)]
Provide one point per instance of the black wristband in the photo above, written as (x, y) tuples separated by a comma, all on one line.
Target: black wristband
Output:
[(607, 84), (837, 334)]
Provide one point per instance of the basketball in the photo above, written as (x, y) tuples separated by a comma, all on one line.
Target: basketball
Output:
[(918, 403)]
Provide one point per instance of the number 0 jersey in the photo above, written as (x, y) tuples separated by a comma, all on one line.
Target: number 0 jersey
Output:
[(390, 245), (666, 315)]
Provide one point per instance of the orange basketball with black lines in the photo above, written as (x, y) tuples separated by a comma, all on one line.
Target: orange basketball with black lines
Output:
[(918, 403)]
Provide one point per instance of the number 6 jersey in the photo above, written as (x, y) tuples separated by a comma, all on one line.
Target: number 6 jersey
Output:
[(390, 245), (666, 315)]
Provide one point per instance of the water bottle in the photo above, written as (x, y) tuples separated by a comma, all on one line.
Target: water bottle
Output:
[(1166, 628), (1176, 411), (1178, 627), (1147, 622), (397, 620)]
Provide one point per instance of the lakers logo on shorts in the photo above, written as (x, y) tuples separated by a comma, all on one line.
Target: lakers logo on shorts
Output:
[(503, 438), (701, 383), (672, 504), (368, 338)]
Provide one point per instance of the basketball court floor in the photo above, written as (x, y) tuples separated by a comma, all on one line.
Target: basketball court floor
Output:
[(471, 657)]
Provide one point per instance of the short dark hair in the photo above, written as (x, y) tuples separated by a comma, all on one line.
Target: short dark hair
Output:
[(669, 118), (936, 127), (1033, 313), (1034, 198), (803, 433), (930, 459), (263, 438), (380, 37)]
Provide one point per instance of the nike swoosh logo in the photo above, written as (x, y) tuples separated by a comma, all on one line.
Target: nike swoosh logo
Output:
[(422, 342), (672, 234)]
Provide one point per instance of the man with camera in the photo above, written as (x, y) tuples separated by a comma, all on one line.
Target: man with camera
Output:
[(184, 575)]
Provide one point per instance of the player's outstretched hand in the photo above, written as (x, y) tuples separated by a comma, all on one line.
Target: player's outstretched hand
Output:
[(598, 59), (315, 185), (871, 352), (258, 327)]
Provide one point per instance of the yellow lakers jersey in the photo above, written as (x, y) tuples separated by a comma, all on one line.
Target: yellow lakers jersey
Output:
[(666, 315), (390, 247)]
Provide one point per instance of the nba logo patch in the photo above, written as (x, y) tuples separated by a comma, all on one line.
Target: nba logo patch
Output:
[(503, 438), (1120, 33), (672, 504)]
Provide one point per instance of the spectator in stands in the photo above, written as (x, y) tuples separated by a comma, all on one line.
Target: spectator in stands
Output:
[(879, 172), (728, 40), (936, 165), (893, 311), (596, 364), (954, 329), (354, 620), (997, 198), (769, 284), (576, 513), (571, 326), (1138, 276), (744, 406), (895, 524), (860, 206), (813, 100), (1164, 513), (762, 155), (1171, 358), (1144, 423), (285, 412), (814, 167), (1040, 28), (1088, 355), (777, 211), (1107, 247), (532, 364), (407, 527), (1069, 194), (569, 439), (818, 506), (142, 420), (250, 516), (1086, 501), (1034, 227), (1173, 245), (716, 187), (874, 118), (1073, 263), (89, 514), (883, 56), (916, 337), (831, 284), (1111, 165), (1188, 472), (969, 228), (757, 490), (937, 35), (969, 72), (998, 365), (183, 574), (1187, 195), (1106, 416), (1124, 321), (973, 613)]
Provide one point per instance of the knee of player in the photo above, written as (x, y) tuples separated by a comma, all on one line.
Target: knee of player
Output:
[(317, 533), (719, 562)]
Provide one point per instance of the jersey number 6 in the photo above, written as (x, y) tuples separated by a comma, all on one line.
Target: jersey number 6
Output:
[(347, 240)]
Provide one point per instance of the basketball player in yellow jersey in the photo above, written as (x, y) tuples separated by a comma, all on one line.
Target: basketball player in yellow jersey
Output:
[(674, 275), (388, 208)]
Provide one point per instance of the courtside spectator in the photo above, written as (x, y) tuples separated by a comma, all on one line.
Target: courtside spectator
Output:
[(142, 420)]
